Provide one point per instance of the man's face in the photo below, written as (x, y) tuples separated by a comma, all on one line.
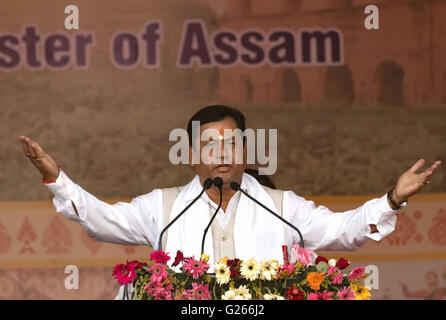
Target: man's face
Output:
[(228, 169)]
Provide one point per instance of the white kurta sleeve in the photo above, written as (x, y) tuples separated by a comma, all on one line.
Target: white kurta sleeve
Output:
[(323, 229), (136, 222)]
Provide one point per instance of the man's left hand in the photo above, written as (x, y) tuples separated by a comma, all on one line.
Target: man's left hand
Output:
[(410, 182)]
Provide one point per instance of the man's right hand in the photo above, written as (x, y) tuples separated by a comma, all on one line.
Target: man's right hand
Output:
[(42, 161)]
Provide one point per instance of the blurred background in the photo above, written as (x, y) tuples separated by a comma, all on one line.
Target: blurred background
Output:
[(346, 132)]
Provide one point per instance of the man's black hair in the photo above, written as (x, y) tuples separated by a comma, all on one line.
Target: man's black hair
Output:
[(216, 113)]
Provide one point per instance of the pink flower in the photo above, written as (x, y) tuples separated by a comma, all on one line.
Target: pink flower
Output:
[(337, 278), (312, 296), (325, 295), (152, 287), (200, 291), (159, 273), (288, 268), (331, 270), (356, 273), (162, 294), (187, 295), (345, 294), (195, 267), (124, 273), (304, 256), (159, 257), (169, 286)]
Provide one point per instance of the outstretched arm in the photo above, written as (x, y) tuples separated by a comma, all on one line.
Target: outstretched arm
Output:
[(323, 229), (411, 182), (42, 161), (326, 230), (136, 222)]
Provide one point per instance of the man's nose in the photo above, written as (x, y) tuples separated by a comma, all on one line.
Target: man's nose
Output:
[(225, 152)]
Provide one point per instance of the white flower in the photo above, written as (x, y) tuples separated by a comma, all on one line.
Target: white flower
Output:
[(243, 291), (222, 273), (332, 262), (231, 294), (275, 265), (273, 297), (268, 270), (250, 269)]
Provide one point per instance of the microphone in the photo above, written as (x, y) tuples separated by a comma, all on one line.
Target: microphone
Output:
[(236, 186), (206, 185), (218, 182)]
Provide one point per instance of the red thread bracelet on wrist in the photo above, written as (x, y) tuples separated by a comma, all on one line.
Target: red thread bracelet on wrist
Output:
[(47, 181)]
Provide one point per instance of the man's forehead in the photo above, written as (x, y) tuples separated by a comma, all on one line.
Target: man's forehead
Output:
[(224, 134)]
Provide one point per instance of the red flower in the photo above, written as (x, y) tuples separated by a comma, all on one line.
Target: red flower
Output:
[(232, 264), (342, 263), (159, 256), (233, 273), (137, 265), (179, 257), (319, 259), (124, 273), (295, 294)]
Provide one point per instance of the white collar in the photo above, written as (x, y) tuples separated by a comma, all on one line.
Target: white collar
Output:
[(257, 234)]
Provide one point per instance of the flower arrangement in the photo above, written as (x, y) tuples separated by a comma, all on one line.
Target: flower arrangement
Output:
[(305, 279)]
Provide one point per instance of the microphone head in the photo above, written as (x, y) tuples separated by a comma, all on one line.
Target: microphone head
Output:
[(207, 183), (218, 182), (235, 186)]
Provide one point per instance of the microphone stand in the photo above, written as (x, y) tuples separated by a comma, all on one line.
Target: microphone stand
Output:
[(206, 185), (235, 186), (218, 182)]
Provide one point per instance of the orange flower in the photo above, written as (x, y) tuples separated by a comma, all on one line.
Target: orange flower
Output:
[(315, 279)]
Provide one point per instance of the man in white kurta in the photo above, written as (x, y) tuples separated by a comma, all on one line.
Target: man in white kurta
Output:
[(254, 232), (257, 233)]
